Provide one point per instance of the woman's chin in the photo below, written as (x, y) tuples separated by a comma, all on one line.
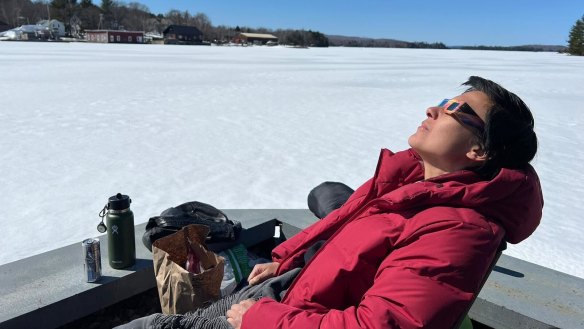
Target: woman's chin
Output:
[(412, 140)]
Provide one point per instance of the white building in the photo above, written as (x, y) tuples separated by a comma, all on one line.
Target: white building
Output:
[(43, 30), (55, 27)]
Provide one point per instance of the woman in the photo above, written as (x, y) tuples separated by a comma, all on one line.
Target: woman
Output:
[(411, 246)]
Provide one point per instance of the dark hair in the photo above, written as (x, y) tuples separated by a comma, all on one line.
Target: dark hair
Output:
[(508, 139)]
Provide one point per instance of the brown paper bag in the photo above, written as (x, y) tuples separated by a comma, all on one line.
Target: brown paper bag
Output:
[(179, 290)]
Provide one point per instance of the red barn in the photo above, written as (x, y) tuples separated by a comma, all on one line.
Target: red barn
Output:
[(111, 36)]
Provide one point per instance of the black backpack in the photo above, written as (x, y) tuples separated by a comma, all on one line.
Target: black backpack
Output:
[(173, 219)]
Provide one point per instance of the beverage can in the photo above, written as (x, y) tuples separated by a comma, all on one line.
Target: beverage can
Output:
[(92, 262)]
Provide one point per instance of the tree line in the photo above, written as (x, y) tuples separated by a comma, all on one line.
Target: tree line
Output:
[(344, 41), (82, 15), (576, 38), (110, 14), (534, 48)]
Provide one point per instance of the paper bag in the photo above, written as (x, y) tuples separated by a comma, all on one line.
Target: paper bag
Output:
[(179, 290)]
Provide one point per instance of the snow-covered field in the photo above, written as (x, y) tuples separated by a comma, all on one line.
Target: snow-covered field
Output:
[(252, 127)]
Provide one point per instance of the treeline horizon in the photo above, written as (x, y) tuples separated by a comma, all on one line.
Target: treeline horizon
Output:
[(81, 15)]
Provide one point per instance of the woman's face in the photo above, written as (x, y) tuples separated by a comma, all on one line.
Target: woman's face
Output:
[(443, 142)]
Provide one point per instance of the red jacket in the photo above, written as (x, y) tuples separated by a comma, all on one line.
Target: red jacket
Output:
[(402, 252)]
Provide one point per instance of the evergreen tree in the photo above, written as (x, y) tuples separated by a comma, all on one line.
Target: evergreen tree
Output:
[(106, 6), (295, 38), (59, 10), (576, 41), (58, 4), (317, 39), (86, 3)]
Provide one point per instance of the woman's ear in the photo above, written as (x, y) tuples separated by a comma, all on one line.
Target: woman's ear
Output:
[(477, 154)]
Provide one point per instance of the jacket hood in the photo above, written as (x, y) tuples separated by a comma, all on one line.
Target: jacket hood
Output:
[(513, 198)]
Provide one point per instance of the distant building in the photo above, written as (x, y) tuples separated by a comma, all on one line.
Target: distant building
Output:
[(42, 31), (31, 33), (255, 38), (27, 33), (154, 38), (112, 36), (181, 34), (53, 26)]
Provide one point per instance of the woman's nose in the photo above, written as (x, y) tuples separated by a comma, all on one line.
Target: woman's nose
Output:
[(432, 112)]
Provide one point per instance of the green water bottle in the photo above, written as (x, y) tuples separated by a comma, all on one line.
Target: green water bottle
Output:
[(119, 224)]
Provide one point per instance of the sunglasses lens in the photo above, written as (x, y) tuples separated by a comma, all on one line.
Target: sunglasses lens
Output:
[(462, 112), (453, 106), (471, 121)]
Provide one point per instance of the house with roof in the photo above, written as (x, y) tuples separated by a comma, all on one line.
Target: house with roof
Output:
[(256, 38), (26, 33), (55, 27), (114, 36), (182, 35), (42, 31)]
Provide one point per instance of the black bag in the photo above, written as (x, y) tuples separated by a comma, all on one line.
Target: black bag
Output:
[(173, 219)]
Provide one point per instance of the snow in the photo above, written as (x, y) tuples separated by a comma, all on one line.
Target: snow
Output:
[(250, 127)]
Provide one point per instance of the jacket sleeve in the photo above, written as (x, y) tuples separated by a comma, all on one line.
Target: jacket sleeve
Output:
[(427, 283)]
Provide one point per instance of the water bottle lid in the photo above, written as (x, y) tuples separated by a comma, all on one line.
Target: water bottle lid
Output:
[(119, 202)]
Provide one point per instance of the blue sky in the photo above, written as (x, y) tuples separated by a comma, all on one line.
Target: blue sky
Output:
[(453, 22)]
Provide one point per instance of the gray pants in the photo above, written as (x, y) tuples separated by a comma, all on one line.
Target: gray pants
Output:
[(213, 316)]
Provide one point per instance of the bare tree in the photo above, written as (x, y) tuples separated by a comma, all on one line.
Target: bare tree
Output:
[(85, 16), (11, 11), (221, 33), (137, 17), (175, 17), (203, 23)]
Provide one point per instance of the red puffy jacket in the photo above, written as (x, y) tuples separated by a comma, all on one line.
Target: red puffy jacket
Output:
[(402, 252)]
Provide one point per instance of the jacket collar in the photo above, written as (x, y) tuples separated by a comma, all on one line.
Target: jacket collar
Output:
[(513, 198)]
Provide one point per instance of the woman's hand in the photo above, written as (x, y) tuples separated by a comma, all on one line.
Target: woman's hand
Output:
[(262, 272), (235, 314)]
